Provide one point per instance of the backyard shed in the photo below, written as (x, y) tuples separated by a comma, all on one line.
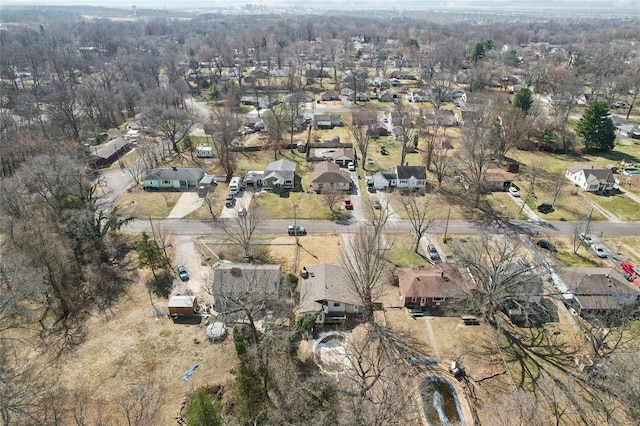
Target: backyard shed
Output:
[(182, 305)]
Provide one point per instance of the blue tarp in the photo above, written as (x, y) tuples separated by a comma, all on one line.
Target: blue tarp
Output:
[(189, 372)]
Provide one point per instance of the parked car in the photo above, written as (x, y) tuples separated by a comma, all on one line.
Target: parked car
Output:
[(351, 166), (586, 239), (598, 251), (545, 208), (433, 252), (514, 191), (547, 245), (377, 205), (370, 161), (230, 201), (296, 230), (242, 212), (629, 268), (182, 273), (347, 203)]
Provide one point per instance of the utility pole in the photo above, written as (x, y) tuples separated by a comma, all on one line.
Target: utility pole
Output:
[(446, 227)]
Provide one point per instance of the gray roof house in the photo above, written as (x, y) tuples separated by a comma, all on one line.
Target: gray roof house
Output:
[(173, 178), (411, 177), (384, 180), (327, 121), (110, 151), (590, 178), (237, 284), (598, 289), (279, 175), (324, 290)]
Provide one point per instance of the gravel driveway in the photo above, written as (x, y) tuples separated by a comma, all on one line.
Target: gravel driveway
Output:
[(199, 275)]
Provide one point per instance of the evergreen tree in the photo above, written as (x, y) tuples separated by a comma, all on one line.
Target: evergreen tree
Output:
[(596, 128), (523, 99), (203, 410)]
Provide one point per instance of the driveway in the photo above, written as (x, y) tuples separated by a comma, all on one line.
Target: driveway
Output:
[(384, 202), (199, 275), (187, 203), (242, 200), (356, 198)]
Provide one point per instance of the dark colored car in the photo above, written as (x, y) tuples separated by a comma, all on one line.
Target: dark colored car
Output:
[(182, 273), (547, 245), (433, 252), (545, 208), (296, 230), (230, 201)]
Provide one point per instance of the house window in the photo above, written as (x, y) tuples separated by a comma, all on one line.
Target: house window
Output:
[(356, 309), (287, 182), (438, 299), (336, 305), (166, 182), (414, 299), (423, 301)]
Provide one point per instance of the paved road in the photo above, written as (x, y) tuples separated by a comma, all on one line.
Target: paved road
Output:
[(190, 227)]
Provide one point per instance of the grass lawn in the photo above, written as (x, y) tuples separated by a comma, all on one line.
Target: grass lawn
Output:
[(402, 255), (620, 205), (281, 206), (142, 204), (503, 204), (583, 257)]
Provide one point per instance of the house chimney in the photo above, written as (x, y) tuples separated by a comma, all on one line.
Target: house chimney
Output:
[(175, 169)]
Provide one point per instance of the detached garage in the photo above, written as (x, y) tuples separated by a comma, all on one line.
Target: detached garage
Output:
[(183, 305)]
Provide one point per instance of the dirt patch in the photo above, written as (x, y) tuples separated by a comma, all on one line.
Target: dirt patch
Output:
[(129, 347)]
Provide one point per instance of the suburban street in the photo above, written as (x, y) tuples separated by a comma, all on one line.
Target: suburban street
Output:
[(190, 227)]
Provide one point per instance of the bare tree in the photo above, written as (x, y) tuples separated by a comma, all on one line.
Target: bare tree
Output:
[(241, 229), (407, 129), (441, 160), (362, 121), (171, 123), (332, 198), (475, 156), (141, 404), (417, 209), (365, 266), (224, 126)]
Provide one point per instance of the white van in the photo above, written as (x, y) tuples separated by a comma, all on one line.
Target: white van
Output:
[(235, 185)]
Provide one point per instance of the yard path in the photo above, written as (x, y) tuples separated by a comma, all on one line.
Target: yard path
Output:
[(604, 212), (631, 195), (432, 337)]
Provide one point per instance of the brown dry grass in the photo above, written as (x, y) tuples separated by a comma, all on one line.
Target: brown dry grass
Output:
[(128, 346)]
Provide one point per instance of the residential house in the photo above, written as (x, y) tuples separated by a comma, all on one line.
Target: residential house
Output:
[(330, 95), (358, 97), (431, 288), (383, 180), (343, 156), (401, 75), (298, 98), (109, 152), (239, 285), (325, 290), (279, 175), (634, 181), (440, 117), (253, 178), (589, 178), (414, 177), (173, 178), (327, 121), (329, 175), (597, 289), (387, 96), (498, 180)]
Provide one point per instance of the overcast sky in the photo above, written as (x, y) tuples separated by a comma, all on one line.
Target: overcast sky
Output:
[(364, 4)]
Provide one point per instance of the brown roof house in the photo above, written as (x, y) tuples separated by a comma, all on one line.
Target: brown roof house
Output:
[(598, 289), (110, 151), (590, 178), (494, 179), (324, 290), (329, 175), (431, 288), (343, 156)]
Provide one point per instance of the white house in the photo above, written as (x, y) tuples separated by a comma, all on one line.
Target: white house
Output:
[(589, 178), (173, 178), (414, 177)]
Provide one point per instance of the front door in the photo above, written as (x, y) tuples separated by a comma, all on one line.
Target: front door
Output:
[(423, 301)]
